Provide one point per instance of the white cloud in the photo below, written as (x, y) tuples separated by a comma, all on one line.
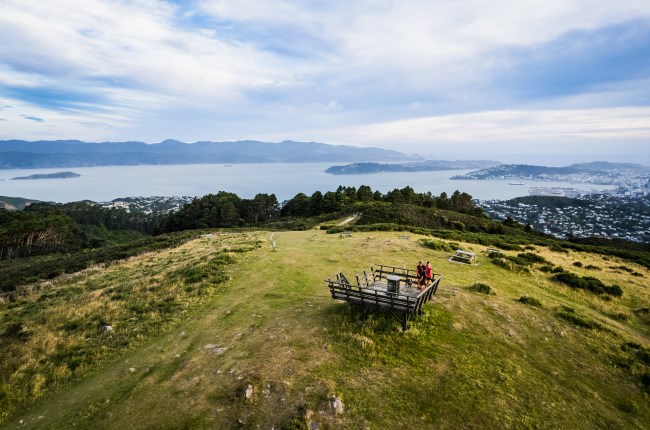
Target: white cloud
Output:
[(541, 130), (135, 69)]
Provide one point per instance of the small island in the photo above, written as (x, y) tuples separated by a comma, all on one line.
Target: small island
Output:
[(58, 175)]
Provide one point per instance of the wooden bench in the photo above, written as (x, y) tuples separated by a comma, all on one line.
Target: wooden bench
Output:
[(372, 292), (404, 237), (346, 234)]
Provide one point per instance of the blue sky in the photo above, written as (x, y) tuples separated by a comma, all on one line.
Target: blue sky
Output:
[(521, 81)]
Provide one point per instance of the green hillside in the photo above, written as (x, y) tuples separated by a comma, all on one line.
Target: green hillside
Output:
[(224, 332)]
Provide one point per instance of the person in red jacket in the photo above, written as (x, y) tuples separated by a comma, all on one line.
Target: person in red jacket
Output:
[(428, 274)]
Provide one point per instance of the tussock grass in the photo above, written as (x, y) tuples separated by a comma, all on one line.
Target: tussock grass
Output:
[(470, 361)]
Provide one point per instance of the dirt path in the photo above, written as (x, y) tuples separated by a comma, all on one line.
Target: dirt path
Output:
[(349, 220)]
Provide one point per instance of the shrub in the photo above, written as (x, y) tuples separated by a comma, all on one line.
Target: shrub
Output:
[(570, 315), (532, 258), (619, 316), (436, 245), (508, 264), (587, 283), (479, 287), (527, 300), (557, 248), (592, 267), (16, 331), (72, 325), (645, 380), (577, 264), (614, 290)]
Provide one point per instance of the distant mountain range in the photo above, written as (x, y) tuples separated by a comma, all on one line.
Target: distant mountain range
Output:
[(601, 172), (414, 166), (74, 153)]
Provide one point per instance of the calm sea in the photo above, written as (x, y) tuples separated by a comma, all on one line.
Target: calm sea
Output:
[(284, 180)]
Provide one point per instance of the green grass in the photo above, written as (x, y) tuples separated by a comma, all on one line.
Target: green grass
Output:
[(470, 361)]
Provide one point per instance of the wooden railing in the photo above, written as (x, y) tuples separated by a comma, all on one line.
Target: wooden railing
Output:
[(363, 293)]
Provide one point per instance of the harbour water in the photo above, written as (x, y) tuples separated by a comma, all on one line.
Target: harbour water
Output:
[(102, 184)]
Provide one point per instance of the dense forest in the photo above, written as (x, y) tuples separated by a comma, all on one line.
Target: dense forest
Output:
[(44, 240)]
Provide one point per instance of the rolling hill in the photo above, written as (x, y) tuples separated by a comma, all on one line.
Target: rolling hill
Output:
[(225, 332)]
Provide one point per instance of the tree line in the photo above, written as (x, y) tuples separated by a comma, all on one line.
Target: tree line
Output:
[(344, 197), (43, 228)]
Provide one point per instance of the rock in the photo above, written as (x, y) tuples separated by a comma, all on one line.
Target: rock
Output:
[(106, 328), (131, 369), (214, 348), (249, 392), (309, 417), (337, 405)]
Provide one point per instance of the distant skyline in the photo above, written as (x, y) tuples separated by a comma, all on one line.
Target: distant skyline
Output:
[(531, 81)]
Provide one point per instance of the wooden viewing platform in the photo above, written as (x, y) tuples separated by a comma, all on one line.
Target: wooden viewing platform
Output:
[(384, 287)]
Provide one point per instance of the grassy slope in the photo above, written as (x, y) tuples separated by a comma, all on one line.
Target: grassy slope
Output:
[(471, 361)]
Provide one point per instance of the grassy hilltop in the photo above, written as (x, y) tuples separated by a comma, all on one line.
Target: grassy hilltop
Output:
[(224, 332)]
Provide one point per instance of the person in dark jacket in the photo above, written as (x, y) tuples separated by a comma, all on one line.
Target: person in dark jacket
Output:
[(421, 275)]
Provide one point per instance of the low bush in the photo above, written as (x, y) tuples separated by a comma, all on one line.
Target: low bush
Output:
[(15, 331), (619, 316), (587, 283), (519, 263), (508, 264), (569, 314), (531, 258), (436, 245), (479, 287), (557, 248), (527, 300)]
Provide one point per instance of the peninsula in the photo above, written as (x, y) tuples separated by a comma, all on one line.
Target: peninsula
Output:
[(413, 166), (597, 172)]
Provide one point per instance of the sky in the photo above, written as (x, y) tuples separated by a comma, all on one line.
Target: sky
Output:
[(529, 80)]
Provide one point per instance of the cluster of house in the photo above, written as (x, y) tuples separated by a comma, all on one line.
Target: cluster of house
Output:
[(607, 217), (149, 205)]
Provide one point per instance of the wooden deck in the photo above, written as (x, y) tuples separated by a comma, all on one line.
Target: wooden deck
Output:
[(372, 291)]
